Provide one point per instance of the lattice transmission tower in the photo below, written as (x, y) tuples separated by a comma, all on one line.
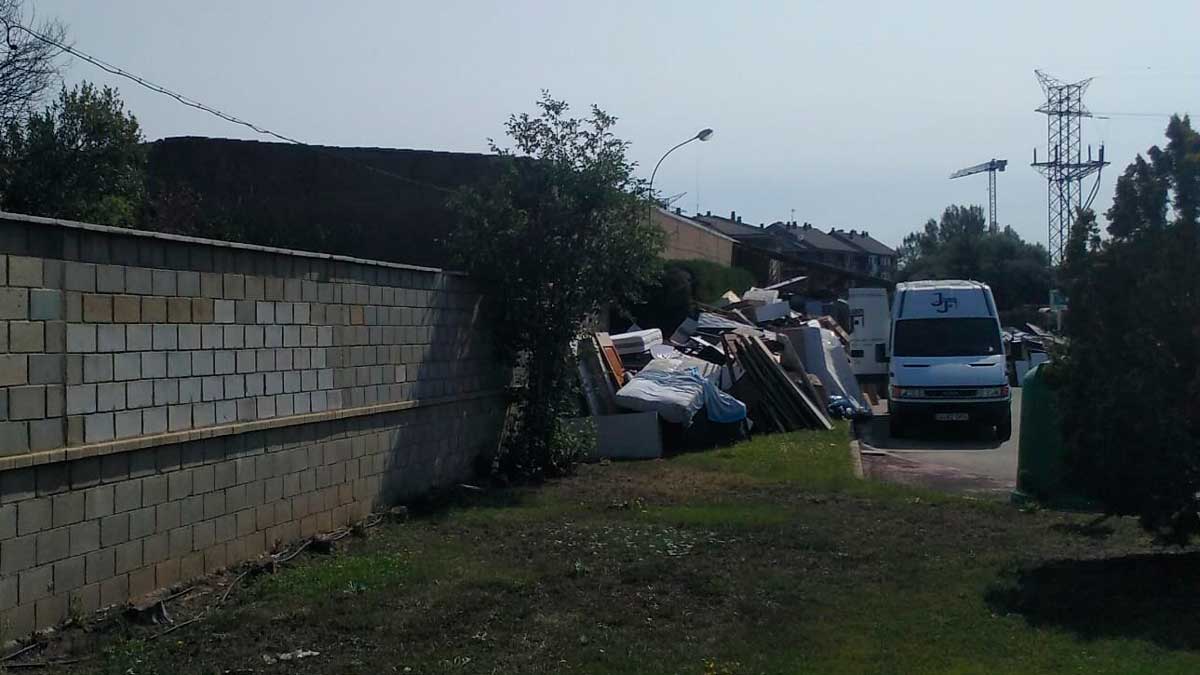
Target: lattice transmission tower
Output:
[(1065, 167)]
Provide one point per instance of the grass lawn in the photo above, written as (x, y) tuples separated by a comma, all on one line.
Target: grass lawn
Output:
[(768, 557)]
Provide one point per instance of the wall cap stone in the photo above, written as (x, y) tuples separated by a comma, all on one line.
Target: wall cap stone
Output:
[(173, 437), (179, 238)]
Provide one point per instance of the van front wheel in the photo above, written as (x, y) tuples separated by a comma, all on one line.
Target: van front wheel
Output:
[(1004, 429)]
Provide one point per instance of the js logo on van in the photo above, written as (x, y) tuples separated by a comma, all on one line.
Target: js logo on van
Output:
[(944, 303)]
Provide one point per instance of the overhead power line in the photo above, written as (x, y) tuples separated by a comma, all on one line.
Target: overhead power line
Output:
[(193, 103)]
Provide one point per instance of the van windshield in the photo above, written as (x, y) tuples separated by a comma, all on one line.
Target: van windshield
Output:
[(946, 337)]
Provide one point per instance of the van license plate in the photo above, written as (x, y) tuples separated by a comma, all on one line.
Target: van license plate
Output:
[(951, 417)]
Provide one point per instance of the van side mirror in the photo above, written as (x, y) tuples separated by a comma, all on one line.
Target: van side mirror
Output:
[(881, 355)]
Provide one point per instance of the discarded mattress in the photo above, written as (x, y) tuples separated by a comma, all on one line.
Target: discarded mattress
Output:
[(676, 389), (637, 342), (825, 357)]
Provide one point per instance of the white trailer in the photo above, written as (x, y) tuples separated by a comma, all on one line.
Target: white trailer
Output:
[(870, 331)]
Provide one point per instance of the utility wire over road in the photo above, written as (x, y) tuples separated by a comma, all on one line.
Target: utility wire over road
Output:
[(198, 105)]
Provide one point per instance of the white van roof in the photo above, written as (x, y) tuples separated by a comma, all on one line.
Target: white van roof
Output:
[(943, 298), (940, 284)]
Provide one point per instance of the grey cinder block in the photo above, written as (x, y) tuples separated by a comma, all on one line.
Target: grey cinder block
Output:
[(138, 281), (139, 394), (26, 403), (188, 283), (211, 337), (80, 277), (110, 396), (99, 427), (46, 369), (81, 338), (203, 415), (224, 362), (202, 363), (164, 282), (45, 304), (179, 417), (26, 336), (139, 338), (189, 390), (189, 336), (110, 338), (223, 311), (127, 366), (166, 392), (154, 420), (166, 337), (14, 304), (128, 424), (23, 271), (110, 279), (153, 364), (97, 367), (265, 312)]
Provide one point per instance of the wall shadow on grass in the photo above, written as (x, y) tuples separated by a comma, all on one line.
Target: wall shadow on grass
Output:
[(1153, 597)]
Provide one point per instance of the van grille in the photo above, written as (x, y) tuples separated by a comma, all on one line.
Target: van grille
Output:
[(950, 393)]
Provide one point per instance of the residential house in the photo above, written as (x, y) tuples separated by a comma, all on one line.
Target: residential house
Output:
[(688, 239), (880, 258), (780, 251), (822, 247)]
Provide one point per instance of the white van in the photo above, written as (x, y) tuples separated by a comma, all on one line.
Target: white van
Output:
[(947, 361), (870, 329)]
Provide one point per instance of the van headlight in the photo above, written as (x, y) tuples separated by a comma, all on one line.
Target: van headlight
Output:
[(907, 392), (993, 392)]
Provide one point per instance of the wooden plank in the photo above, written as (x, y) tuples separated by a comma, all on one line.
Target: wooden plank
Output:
[(808, 406), (784, 413), (612, 359), (591, 366)]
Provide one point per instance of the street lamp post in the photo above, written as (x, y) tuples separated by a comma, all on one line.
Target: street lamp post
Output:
[(702, 135)]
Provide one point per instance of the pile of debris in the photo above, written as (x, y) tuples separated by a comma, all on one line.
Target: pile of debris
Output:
[(752, 364), (1025, 349)]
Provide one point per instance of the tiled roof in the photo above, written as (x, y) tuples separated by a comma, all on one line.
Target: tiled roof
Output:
[(696, 223), (729, 227), (864, 241), (815, 238)]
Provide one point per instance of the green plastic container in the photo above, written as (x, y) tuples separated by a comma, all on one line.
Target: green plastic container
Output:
[(1042, 475)]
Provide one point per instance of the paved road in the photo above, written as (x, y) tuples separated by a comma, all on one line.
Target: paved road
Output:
[(964, 452)]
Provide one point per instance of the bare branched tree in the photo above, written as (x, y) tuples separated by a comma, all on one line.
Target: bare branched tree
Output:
[(28, 66)]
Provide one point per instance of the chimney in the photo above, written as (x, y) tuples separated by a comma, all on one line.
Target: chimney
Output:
[(708, 213), (739, 219), (678, 211), (733, 216)]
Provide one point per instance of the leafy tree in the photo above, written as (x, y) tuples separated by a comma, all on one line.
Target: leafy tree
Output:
[(1131, 374), (961, 246), (563, 232), (28, 66), (81, 158)]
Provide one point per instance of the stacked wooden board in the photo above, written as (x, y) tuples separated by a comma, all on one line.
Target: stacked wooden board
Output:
[(783, 403)]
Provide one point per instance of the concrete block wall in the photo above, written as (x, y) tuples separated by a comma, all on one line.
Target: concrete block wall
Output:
[(170, 406)]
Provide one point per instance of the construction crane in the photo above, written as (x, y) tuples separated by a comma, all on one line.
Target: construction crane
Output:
[(991, 167)]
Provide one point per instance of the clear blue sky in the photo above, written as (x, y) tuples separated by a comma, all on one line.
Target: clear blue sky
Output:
[(850, 113)]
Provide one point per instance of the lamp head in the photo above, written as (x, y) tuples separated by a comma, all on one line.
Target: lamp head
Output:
[(704, 134)]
